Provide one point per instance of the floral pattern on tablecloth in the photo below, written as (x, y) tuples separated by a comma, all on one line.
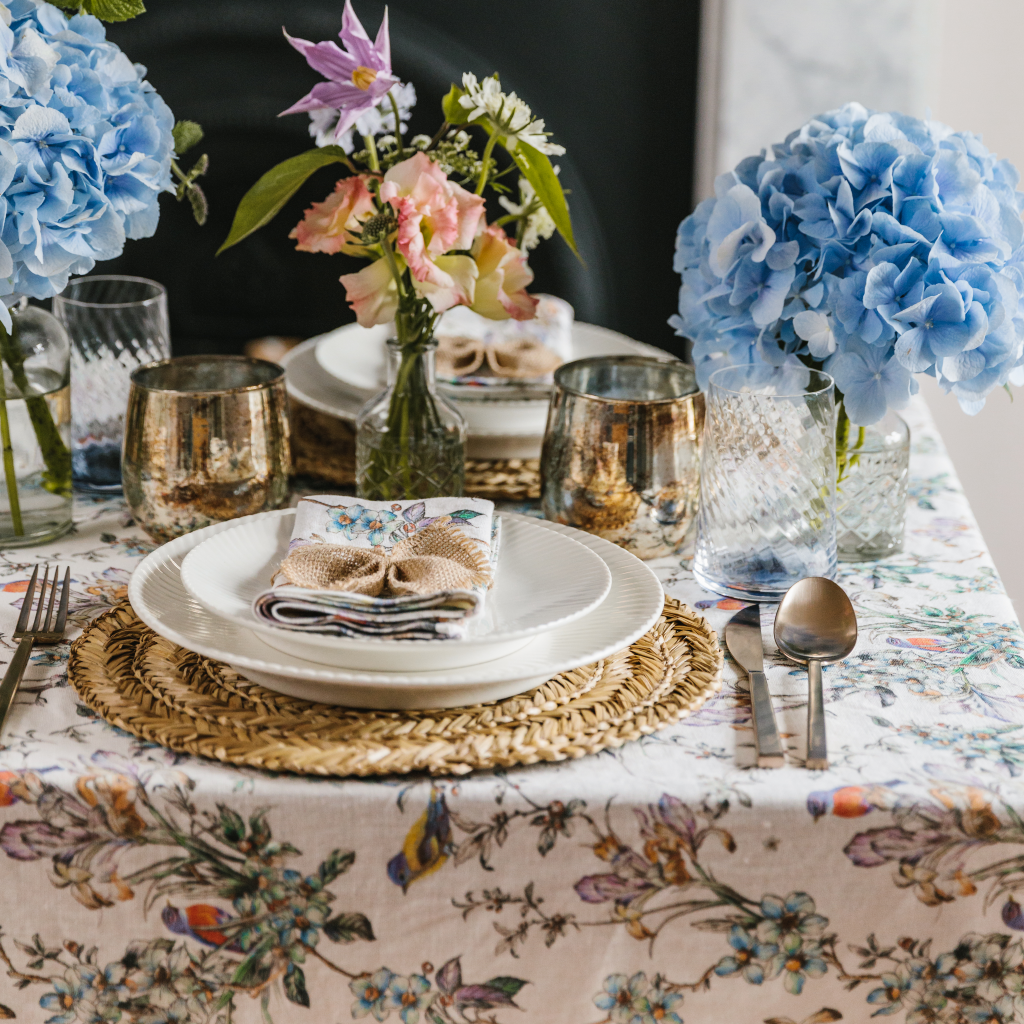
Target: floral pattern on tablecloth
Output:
[(669, 880)]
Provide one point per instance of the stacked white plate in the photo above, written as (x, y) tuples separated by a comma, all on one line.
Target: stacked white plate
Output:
[(561, 599), (339, 372)]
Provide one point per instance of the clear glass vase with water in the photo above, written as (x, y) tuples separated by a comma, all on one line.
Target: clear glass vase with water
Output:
[(35, 429), (768, 481)]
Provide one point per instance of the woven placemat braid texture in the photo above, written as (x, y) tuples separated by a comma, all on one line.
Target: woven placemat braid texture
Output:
[(165, 694)]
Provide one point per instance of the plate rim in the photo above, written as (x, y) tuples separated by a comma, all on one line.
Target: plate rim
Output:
[(308, 348), (345, 643), (462, 678)]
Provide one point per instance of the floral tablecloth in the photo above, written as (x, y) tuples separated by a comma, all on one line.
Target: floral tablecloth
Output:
[(665, 881)]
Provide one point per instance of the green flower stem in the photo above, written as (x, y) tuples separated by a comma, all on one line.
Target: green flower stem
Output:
[(371, 148), (9, 474), (484, 163), (398, 123), (56, 455), (844, 460)]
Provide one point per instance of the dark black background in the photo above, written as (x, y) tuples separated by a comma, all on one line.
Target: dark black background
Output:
[(614, 80)]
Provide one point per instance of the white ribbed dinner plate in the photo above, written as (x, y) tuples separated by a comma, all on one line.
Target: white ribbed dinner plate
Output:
[(632, 606), (542, 580)]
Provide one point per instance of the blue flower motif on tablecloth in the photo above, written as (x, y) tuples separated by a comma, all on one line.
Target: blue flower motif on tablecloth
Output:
[(410, 996), (792, 917), (658, 1007), (749, 956), (66, 995), (797, 961), (620, 996), (372, 994), (889, 997)]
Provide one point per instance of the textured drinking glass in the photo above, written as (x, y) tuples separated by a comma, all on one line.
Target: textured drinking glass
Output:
[(206, 439), (767, 481), (621, 454), (871, 495), (116, 324)]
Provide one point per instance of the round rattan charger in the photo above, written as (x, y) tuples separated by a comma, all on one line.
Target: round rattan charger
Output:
[(165, 694)]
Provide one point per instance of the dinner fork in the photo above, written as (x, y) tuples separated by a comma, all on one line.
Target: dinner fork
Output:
[(43, 631)]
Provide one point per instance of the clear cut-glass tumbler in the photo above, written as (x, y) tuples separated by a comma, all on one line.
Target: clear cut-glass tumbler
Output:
[(116, 324), (767, 481)]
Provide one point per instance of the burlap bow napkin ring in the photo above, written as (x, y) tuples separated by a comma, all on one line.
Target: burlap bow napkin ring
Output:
[(520, 359), (435, 559)]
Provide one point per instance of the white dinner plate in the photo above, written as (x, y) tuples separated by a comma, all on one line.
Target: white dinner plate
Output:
[(632, 606), (355, 357), (542, 580), (307, 383)]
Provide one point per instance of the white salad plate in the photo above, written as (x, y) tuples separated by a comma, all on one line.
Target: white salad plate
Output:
[(542, 580), (632, 606)]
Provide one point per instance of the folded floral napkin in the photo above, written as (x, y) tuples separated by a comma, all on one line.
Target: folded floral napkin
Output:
[(398, 570), (475, 350)]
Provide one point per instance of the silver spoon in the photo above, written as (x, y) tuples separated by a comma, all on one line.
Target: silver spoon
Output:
[(815, 623)]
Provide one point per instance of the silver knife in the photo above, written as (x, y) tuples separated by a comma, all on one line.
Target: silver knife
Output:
[(743, 638)]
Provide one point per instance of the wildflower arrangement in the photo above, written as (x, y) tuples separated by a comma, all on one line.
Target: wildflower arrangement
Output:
[(873, 245), (86, 147), (415, 208)]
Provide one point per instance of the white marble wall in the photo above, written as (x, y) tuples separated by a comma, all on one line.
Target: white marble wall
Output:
[(769, 65)]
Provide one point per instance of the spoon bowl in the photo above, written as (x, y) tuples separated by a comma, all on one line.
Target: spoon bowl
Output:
[(815, 623)]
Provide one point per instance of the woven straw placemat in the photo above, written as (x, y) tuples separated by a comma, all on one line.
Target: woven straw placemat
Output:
[(324, 447), (161, 692)]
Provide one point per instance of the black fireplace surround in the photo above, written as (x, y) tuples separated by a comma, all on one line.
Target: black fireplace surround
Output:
[(615, 81)]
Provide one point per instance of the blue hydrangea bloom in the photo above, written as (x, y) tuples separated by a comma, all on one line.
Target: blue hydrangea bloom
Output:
[(85, 149), (874, 245)]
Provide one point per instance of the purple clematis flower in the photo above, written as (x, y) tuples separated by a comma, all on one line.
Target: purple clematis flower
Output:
[(360, 75)]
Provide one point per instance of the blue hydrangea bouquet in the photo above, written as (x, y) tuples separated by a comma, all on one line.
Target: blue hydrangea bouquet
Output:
[(86, 148), (875, 246)]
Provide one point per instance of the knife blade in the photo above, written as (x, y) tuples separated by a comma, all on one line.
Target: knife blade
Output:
[(743, 638)]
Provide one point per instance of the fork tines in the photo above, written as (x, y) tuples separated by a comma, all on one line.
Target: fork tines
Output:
[(45, 630)]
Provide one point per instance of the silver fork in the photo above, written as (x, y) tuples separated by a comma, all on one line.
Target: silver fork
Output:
[(43, 631)]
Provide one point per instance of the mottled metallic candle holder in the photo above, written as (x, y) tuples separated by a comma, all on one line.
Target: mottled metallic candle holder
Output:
[(621, 455), (206, 439)]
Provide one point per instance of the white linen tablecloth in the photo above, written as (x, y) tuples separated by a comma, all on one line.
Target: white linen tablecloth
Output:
[(669, 880)]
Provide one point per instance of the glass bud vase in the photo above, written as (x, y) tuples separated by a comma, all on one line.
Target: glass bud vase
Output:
[(410, 443), (35, 428), (871, 491)]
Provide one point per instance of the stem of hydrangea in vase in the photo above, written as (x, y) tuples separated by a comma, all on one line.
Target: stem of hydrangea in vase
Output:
[(9, 475)]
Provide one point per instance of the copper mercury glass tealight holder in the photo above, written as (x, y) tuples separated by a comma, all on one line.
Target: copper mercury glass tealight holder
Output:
[(621, 455), (206, 439)]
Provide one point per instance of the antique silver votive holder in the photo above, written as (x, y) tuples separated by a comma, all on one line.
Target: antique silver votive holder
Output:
[(206, 439), (621, 455)]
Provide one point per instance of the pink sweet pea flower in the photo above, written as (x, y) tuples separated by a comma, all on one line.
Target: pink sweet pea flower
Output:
[(502, 277), (429, 206), (328, 226), (372, 293), (360, 75)]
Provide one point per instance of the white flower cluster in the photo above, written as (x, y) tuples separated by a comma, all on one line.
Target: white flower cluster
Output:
[(509, 115), (538, 222)]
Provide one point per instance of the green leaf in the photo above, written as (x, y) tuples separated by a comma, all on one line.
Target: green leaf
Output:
[(337, 863), (232, 828), (510, 986), (348, 928), (465, 514), (295, 985), (264, 200), (186, 135), (454, 111), (536, 168), (107, 10)]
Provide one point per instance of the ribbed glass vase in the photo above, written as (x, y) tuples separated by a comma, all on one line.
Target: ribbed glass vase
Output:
[(410, 443), (871, 491)]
